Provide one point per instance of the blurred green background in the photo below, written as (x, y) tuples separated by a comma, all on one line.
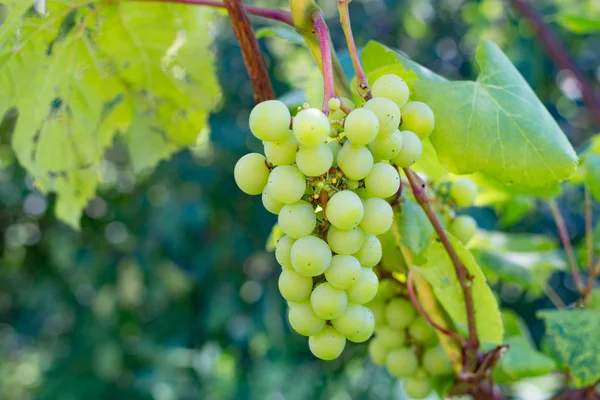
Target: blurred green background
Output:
[(167, 292)]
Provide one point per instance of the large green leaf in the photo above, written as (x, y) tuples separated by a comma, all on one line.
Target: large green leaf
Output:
[(522, 360), (436, 266)]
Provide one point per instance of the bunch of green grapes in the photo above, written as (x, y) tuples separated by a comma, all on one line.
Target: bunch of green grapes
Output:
[(330, 178)]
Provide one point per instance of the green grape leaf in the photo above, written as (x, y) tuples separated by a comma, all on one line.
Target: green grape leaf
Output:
[(580, 23), (522, 360), (574, 337), (413, 225), (281, 32), (429, 163), (392, 258), (436, 266), (514, 325), (592, 174)]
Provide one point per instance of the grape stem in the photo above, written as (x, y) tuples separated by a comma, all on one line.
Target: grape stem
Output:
[(464, 278), (361, 77), (323, 197), (320, 26)]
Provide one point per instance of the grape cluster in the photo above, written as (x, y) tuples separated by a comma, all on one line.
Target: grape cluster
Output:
[(329, 179)]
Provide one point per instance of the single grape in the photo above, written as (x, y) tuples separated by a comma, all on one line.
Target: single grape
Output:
[(391, 87), (377, 352), (355, 161), (464, 228), (420, 330), (464, 191), (436, 362), (282, 152), (370, 252), (417, 117), (363, 193), (401, 362), (383, 180), (387, 147), (358, 325), (334, 103), (378, 217), (365, 288), (411, 151), (283, 251), (271, 205), (298, 219), (314, 161), (399, 313), (361, 126), (387, 113), (304, 320), (327, 344), (335, 148), (389, 337), (378, 309), (328, 302), (310, 256), (270, 121), (344, 210), (388, 288), (352, 185), (311, 127), (345, 242), (294, 287), (286, 184), (418, 386), (251, 173), (343, 271), (339, 114)]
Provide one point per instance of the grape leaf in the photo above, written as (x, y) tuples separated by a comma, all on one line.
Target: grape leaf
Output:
[(592, 174), (580, 23), (436, 266), (574, 337), (413, 225), (522, 360)]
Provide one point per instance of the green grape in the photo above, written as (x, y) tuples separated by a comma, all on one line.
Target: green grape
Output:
[(271, 205), (378, 309), (370, 252), (251, 173), (304, 320), (334, 103), (282, 152), (352, 185), (418, 386), (343, 271), (364, 194), (389, 337), (365, 288), (464, 228), (298, 219), (378, 217), (377, 352), (311, 127), (391, 87), (314, 161), (327, 344), (399, 313), (388, 288), (294, 287), (339, 114), (328, 302), (345, 242), (417, 117), (344, 210), (286, 184), (436, 362), (270, 121), (387, 147), (387, 113), (355, 161), (412, 149), (310, 256), (420, 330), (383, 180), (335, 148), (401, 362), (361, 126), (356, 323), (464, 191), (283, 251)]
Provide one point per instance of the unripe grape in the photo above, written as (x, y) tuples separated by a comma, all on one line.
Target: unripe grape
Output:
[(389, 337), (335, 148), (436, 362), (339, 114), (417, 117), (343, 271), (387, 147), (378, 309), (328, 302), (370, 252), (334, 103), (378, 216), (401, 362), (464, 191), (352, 185), (271, 205), (283, 251), (251, 173), (355, 161), (464, 228), (345, 242), (286, 184), (411, 151), (418, 386), (294, 287), (388, 288), (420, 330), (282, 152), (314, 161), (391, 87), (361, 126), (327, 344), (298, 219), (365, 288), (344, 210), (310, 256), (311, 127), (356, 323), (387, 113), (270, 121), (304, 320), (377, 352), (399, 313), (383, 180)]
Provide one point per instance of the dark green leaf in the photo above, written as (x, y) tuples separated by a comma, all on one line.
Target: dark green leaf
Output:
[(522, 360)]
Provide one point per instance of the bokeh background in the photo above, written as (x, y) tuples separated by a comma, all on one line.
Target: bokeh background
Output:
[(168, 291)]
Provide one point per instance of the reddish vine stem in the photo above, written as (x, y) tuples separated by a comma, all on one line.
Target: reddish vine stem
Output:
[(325, 42), (415, 301), (464, 278)]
